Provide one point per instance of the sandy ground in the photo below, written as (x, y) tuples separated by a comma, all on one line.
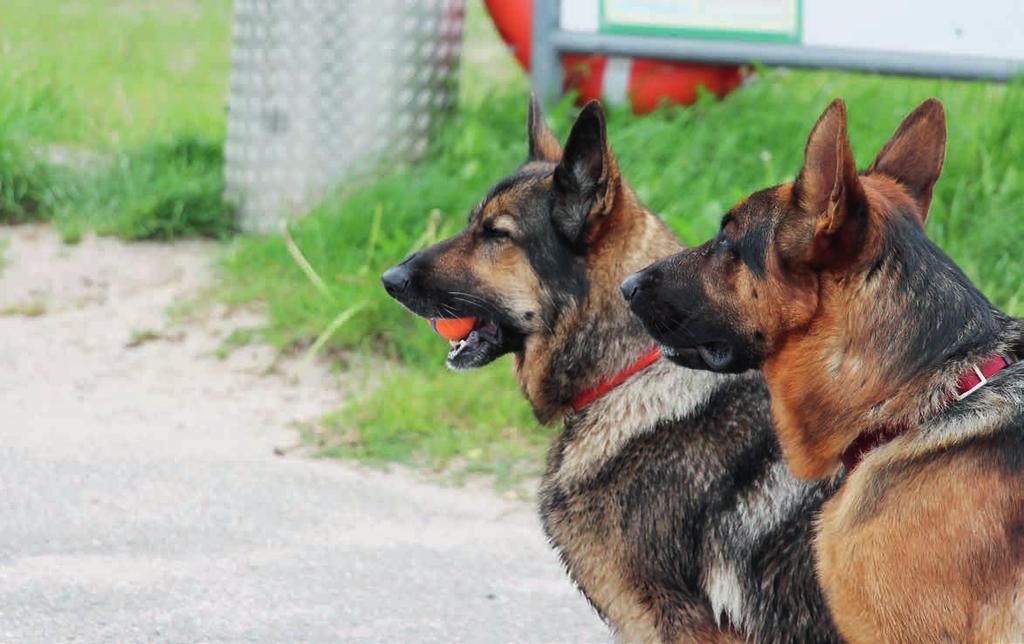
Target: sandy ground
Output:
[(142, 500)]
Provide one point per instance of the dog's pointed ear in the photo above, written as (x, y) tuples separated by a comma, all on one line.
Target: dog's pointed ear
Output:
[(915, 153), (587, 178), (544, 146), (829, 190)]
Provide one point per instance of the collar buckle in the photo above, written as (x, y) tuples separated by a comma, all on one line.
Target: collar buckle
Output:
[(982, 381)]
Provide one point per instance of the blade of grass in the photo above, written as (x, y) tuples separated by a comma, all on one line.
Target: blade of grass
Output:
[(429, 235), (326, 334), (307, 268), (371, 245)]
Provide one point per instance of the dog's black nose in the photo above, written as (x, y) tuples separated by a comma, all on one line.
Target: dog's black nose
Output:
[(396, 279), (631, 285)]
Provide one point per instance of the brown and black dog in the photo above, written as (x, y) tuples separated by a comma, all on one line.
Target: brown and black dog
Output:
[(869, 336), (667, 496)]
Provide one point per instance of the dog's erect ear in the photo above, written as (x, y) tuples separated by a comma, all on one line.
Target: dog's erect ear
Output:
[(544, 146), (829, 190), (914, 154), (587, 178)]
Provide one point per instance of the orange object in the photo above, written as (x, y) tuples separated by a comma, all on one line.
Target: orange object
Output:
[(513, 20), (644, 82), (452, 329), (653, 81)]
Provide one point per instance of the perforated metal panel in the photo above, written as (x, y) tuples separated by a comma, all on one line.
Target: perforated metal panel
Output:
[(323, 89)]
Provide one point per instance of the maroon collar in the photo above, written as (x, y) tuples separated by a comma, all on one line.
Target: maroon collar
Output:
[(969, 382), (588, 396)]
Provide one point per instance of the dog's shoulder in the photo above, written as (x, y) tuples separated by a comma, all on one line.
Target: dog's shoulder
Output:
[(663, 412), (972, 448), (959, 481)]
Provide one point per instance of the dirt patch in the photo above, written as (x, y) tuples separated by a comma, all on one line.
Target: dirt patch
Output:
[(101, 307)]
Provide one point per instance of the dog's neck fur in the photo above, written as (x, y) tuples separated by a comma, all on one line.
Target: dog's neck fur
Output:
[(887, 346), (598, 337)]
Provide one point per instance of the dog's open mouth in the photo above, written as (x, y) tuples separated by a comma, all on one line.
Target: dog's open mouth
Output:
[(483, 344)]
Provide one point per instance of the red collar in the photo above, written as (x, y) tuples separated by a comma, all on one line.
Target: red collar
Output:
[(971, 380), (588, 396)]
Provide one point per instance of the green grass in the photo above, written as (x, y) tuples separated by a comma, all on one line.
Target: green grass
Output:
[(162, 190), (435, 418), (28, 185), (25, 309), (689, 164), (124, 69), (112, 116)]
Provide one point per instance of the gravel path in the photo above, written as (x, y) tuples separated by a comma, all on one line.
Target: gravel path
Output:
[(142, 501)]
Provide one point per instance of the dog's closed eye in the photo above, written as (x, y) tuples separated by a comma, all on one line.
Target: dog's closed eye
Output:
[(492, 232), (500, 227)]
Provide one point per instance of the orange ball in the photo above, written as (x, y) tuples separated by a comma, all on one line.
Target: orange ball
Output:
[(452, 329)]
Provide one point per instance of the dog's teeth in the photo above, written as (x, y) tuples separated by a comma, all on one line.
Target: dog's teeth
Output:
[(456, 345)]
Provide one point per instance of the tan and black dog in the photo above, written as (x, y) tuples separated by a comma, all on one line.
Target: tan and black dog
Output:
[(876, 349), (666, 496)]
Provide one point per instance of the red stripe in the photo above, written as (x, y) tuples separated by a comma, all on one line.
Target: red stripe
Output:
[(584, 398)]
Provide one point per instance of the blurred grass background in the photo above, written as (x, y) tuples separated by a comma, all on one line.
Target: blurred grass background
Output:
[(112, 119), (112, 116), (124, 70)]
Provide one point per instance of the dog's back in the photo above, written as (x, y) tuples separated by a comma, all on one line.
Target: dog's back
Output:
[(677, 516), (942, 511)]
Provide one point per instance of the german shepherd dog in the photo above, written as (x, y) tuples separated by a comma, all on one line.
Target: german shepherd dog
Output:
[(876, 349), (667, 496)]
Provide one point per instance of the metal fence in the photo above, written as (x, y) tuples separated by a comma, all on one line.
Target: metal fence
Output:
[(323, 89)]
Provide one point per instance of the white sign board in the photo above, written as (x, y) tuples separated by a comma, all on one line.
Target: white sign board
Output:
[(985, 28), (993, 28)]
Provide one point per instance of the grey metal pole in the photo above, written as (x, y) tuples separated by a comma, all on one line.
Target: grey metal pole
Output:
[(943, 65), (545, 66)]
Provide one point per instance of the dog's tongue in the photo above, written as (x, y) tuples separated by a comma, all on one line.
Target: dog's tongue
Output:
[(453, 329)]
